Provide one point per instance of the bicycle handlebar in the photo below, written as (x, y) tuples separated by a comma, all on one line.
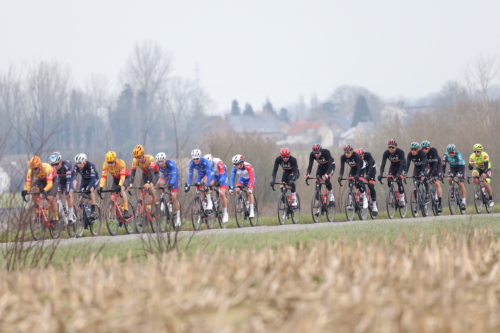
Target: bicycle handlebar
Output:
[(41, 193), (315, 178)]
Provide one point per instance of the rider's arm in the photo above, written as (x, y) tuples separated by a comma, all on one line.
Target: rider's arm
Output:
[(444, 159), (436, 162), (331, 163), (233, 175), (408, 159), (133, 170), (209, 170), (311, 160), (342, 163), (70, 175), (371, 162), (50, 178), (359, 163), (275, 168), (173, 172), (123, 172), (104, 174), (251, 174), (190, 172), (295, 166), (27, 184)]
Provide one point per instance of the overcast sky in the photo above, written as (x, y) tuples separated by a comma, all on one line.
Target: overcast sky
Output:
[(250, 50)]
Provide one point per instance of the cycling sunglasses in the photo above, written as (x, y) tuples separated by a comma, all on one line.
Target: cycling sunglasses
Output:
[(477, 151), (391, 147)]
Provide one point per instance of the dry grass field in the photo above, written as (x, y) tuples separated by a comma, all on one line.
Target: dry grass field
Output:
[(445, 282)]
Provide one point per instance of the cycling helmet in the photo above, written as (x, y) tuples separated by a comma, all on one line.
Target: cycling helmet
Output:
[(285, 151), (392, 142), (161, 157), (80, 158), (138, 151), (35, 162), (238, 159), (360, 151), (54, 158), (196, 153), (414, 145), (451, 147), (348, 147), (316, 147), (110, 156), (209, 157), (478, 146), (425, 144)]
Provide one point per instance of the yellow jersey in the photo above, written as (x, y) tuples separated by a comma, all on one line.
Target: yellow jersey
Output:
[(47, 173), (149, 163), (479, 160), (118, 171)]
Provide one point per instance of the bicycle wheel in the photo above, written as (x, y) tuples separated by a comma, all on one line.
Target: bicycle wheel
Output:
[(80, 220), (296, 210), (95, 223), (414, 201), (211, 216), (362, 212), (434, 201), (172, 216), (197, 214), (55, 228), (37, 226), (390, 202), (316, 206), (478, 198), (111, 216), (255, 219), (141, 218), (452, 201), (71, 228), (487, 203), (349, 205), (157, 220), (425, 201), (282, 209), (218, 209), (130, 224), (330, 210), (403, 210), (240, 210)]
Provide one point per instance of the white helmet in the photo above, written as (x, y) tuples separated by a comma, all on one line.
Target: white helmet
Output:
[(238, 159), (161, 157), (196, 153), (80, 158), (209, 157)]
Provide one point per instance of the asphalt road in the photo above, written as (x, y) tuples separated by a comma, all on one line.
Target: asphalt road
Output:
[(258, 229)]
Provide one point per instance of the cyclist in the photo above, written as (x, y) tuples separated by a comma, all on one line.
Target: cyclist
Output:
[(67, 180), (220, 177), (435, 169), (204, 168), (150, 170), (90, 178), (457, 168), (326, 167), (290, 171), (47, 181), (357, 170), (121, 179), (397, 168), (419, 159), (247, 178), (371, 170), (479, 162), (168, 175)]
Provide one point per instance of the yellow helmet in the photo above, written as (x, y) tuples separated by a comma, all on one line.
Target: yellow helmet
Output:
[(35, 162), (110, 156), (138, 151)]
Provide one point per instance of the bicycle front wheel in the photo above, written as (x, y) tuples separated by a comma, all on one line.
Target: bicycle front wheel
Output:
[(282, 209), (316, 206), (414, 202), (331, 210), (95, 224), (349, 205), (212, 216), (130, 224), (37, 226), (111, 216), (403, 209), (197, 214), (296, 210), (362, 212), (240, 210), (452, 201), (55, 228), (140, 217), (425, 201), (80, 220), (255, 219), (390, 203)]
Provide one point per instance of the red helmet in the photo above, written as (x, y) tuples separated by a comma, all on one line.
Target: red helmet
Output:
[(285, 151), (392, 142), (348, 147), (316, 147), (360, 151)]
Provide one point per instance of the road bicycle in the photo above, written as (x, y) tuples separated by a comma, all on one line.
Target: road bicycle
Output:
[(285, 208), (480, 196), (167, 212), (113, 214), (420, 198), (392, 201), (353, 201), (64, 215), (199, 213), (454, 199), (146, 211), (242, 208), (319, 202), (217, 205), (40, 221), (433, 195), (84, 216), (373, 214)]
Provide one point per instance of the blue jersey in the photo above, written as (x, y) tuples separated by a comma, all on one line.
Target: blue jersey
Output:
[(88, 172), (66, 174), (204, 169), (454, 161), (169, 173)]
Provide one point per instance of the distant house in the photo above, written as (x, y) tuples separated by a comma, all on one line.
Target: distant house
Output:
[(266, 125), (363, 128), (309, 132), (339, 125)]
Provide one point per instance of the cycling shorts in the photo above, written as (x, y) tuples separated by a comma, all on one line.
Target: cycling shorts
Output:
[(62, 186), (87, 183), (222, 179), (126, 183), (245, 181), (480, 173), (42, 183), (458, 171), (145, 178)]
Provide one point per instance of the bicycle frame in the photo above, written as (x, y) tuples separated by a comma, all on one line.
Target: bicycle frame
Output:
[(480, 195), (143, 209), (393, 198), (420, 197), (285, 207), (242, 208), (454, 197), (319, 202), (353, 203)]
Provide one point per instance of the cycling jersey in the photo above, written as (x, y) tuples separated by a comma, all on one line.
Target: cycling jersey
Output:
[(204, 169), (169, 173), (325, 162), (420, 162), (89, 175), (220, 172), (355, 162), (371, 167), (397, 160), (454, 161), (482, 161), (66, 175), (149, 163), (289, 166), (47, 174), (118, 170), (246, 173)]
